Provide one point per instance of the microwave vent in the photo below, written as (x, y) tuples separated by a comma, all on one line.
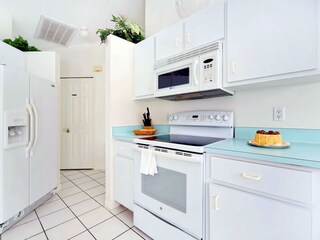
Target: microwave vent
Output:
[(220, 92), (189, 54)]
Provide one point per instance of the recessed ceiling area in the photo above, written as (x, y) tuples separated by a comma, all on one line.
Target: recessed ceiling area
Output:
[(93, 14)]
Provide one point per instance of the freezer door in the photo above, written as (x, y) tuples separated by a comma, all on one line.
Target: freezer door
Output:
[(14, 165), (43, 155)]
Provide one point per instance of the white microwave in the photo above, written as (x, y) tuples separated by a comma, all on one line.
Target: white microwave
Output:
[(199, 76)]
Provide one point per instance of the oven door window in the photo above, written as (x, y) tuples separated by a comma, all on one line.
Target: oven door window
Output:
[(168, 187), (174, 78)]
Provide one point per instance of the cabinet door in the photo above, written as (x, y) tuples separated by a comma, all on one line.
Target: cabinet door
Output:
[(143, 68), (267, 38), (205, 26), (169, 41), (239, 215), (123, 181)]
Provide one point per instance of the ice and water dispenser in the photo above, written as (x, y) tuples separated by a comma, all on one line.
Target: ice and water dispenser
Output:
[(16, 129)]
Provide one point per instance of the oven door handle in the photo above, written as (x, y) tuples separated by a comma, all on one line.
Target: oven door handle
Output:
[(178, 157), (194, 159)]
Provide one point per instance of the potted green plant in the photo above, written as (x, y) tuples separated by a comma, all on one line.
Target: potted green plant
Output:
[(21, 44), (131, 31)]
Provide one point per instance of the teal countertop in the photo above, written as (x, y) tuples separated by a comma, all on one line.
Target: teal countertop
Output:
[(125, 133), (305, 154), (304, 147)]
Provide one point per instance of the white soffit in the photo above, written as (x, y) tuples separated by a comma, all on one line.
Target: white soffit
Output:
[(55, 31)]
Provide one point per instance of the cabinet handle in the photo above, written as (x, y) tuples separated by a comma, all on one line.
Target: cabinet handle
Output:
[(257, 178), (195, 72), (215, 202), (189, 40), (178, 41), (233, 67)]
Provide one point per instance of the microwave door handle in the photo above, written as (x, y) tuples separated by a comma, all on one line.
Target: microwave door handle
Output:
[(195, 65)]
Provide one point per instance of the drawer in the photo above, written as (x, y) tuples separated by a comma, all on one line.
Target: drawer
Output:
[(287, 183), (124, 149)]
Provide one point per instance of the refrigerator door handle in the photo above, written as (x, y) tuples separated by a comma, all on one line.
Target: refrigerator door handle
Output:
[(35, 127), (31, 131)]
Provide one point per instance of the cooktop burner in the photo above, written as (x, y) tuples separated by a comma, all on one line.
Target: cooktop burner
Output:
[(184, 139)]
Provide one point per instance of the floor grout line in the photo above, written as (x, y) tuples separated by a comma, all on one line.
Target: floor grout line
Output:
[(44, 231), (76, 235), (81, 223), (53, 211), (137, 232), (78, 216), (115, 215), (90, 196), (121, 234)]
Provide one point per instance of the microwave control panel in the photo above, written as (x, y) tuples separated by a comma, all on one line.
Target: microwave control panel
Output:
[(209, 70)]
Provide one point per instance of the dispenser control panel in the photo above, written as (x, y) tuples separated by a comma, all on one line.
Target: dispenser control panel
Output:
[(16, 129)]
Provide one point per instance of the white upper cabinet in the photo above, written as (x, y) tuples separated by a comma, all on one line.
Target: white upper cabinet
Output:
[(205, 26), (169, 41), (270, 37), (199, 29), (143, 68)]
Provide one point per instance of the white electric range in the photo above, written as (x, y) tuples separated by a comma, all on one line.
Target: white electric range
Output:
[(170, 204)]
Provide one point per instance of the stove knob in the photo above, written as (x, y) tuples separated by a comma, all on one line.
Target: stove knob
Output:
[(218, 117), (211, 117), (225, 118), (170, 118), (175, 117)]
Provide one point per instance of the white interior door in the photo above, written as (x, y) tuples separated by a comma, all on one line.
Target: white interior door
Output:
[(76, 123)]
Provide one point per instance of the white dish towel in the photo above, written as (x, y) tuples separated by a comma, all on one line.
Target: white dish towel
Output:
[(148, 164)]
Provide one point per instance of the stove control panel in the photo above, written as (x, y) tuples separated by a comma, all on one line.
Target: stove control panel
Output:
[(202, 118)]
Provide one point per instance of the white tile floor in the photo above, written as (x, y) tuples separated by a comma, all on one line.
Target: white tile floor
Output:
[(77, 213)]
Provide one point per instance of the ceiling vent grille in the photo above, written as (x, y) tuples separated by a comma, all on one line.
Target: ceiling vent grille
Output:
[(55, 31)]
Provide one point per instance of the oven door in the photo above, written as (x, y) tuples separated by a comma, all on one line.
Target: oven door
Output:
[(178, 78), (175, 193)]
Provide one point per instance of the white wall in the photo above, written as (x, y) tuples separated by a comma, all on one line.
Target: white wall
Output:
[(252, 107), (92, 14), (5, 24), (78, 61)]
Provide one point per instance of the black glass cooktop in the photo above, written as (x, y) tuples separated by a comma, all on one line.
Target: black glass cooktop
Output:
[(184, 139)]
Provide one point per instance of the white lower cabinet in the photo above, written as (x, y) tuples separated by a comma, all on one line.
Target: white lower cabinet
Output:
[(123, 173), (239, 215), (250, 200)]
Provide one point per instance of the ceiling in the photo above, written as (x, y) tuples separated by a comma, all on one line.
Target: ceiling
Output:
[(93, 14)]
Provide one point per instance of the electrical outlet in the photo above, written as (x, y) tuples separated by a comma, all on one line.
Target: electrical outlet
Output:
[(278, 113)]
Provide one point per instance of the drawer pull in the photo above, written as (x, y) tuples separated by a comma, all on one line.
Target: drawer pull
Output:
[(257, 178), (215, 202)]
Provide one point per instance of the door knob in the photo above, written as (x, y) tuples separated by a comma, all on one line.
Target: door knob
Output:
[(67, 130)]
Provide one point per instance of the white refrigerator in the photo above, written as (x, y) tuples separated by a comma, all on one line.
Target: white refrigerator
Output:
[(28, 143)]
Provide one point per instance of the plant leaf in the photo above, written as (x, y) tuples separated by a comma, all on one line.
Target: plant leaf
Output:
[(134, 27), (130, 31)]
